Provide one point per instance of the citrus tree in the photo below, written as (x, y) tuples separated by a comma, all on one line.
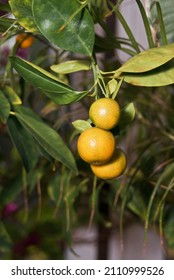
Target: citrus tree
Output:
[(85, 139)]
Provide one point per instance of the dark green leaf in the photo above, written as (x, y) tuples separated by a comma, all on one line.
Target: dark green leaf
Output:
[(5, 7), (47, 137), (146, 24), (127, 30), (12, 189), (23, 142), (6, 23), (137, 204), (49, 84), (23, 13), (65, 24), (5, 242), (169, 230), (4, 108)]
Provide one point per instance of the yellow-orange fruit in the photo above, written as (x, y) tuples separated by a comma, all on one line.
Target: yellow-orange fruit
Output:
[(105, 113), (113, 168), (96, 145)]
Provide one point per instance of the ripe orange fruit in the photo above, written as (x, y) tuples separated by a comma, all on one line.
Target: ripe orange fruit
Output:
[(105, 113), (96, 145), (113, 168), (25, 40)]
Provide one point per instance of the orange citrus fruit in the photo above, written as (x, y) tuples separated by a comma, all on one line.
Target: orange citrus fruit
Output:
[(96, 145), (25, 40), (113, 168), (105, 113)]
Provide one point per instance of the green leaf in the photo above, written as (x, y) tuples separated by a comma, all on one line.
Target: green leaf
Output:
[(5, 7), (161, 76), (71, 66), (5, 243), (12, 189), (161, 23), (64, 24), (23, 13), (81, 125), (49, 84), (127, 30), (47, 137), (111, 87), (12, 96), (169, 230), (44, 152), (6, 23), (146, 24), (137, 203), (167, 9), (127, 115), (147, 60), (23, 141), (4, 108)]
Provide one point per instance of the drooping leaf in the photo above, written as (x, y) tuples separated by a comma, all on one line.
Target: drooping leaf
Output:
[(71, 66), (161, 76), (47, 137), (12, 95), (57, 91), (4, 108), (146, 24), (147, 60), (23, 141), (65, 24), (23, 13), (137, 204)]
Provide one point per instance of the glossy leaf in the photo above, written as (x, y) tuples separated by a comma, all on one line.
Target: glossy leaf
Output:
[(57, 91), (23, 141), (23, 13), (12, 95), (64, 24), (71, 66), (161, 76), (147, 60), (4, 108), (47, 137)]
